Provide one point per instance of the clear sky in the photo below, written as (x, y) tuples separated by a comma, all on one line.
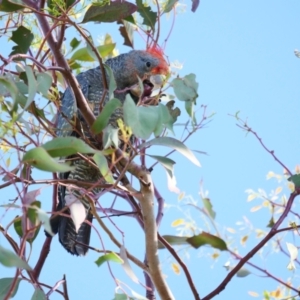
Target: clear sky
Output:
[(242, 53)]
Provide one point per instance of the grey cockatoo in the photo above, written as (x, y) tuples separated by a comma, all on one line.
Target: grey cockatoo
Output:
[(126, 69)]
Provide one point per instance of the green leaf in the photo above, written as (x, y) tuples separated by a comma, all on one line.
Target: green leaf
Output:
[(112, 82), (37, 112), (22, 87), (243, 272), (18, 227), (8, 6), (206, 238), (149, 17), (186, 88), (66, 146), (90, 49), (55, 7), (113, 257), (39, 158), (126, 32), (266, 295), (174, 112), (69, 3), (36, 232), (38, 295), (101, 162), (44, 82), (271, 222), (82, 54), (7, 177), (130, 19), (103, 119), (32, 212), (175, 144), (23, 38), (10, 259), (5, 284), (110, 137), (74, 43), (169, 5), (295, 179), (145, 120), (32, 86), (74, 65), (110, 12), (166, 162), (208, 207), (9, 86), (44, 218), (173, 240), (189, 107), (122, 297), (141, 123), (163, 117)]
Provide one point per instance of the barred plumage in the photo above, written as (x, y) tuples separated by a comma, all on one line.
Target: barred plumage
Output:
[(126, 69)]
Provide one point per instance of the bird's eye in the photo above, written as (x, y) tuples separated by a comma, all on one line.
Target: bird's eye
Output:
[(148, 64)]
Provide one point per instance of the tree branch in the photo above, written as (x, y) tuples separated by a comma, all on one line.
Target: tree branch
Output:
[(146, 199), (182, 264), (251, 253), (111, 236)]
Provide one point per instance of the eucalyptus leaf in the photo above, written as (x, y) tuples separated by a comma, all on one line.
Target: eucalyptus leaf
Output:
[(186, 88), (39, 158), (38, 295), (113, 257), (5, 284), (149, 16), (145, 120), (32, 86), (166, 162), (66, 146), (206, 238), (101, 162), (110, 137), (175, 144), (44, 82), (10, 259), (110, 12), (8, 6), (82, 54), (22, 36), (112, 82)]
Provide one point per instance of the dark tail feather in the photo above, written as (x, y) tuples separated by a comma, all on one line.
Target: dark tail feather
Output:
[(69, 238)]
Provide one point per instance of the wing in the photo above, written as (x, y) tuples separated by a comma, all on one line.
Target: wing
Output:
[(68, 110)]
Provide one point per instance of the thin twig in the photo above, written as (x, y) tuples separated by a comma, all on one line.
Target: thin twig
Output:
[(182, 264), (245, 126), (252, 252)]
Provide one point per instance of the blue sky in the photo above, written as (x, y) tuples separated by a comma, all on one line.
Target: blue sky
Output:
[(242, 53)]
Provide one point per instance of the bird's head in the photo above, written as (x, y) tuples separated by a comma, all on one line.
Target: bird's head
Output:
[(160, 66), (148, 62)]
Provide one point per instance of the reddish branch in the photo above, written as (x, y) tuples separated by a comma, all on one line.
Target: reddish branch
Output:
[(251, 253), (266, 273), (13, 285), (61, 62), (43, 255), (182, 264)]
